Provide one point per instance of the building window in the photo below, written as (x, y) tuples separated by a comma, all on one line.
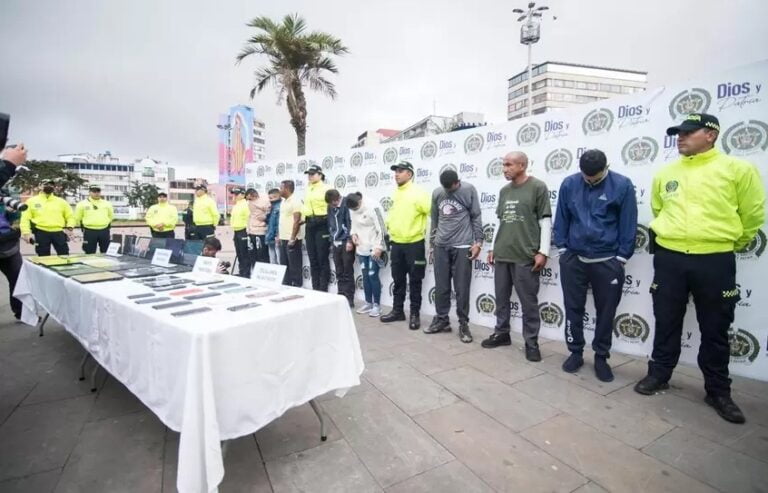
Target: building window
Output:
[(591, 86)]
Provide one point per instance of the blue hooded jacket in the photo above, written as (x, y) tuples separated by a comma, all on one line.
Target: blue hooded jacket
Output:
[(597, 221), (273, 221)]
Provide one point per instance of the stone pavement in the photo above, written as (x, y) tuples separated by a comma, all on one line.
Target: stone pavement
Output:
[(431, 415)]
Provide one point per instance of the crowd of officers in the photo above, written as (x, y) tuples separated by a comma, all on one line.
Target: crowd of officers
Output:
[(706, 206)]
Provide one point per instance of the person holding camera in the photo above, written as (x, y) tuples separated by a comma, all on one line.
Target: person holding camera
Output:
[(51, 215), (10, 254), (94, 215)]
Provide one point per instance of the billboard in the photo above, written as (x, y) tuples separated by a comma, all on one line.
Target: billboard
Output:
[(235, 144)]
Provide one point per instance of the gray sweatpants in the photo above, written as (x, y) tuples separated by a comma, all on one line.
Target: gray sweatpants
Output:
[(452, 264), (526, 283)]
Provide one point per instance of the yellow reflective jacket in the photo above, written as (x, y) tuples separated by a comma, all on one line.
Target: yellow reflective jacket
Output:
[(240, 214), (205, 212), (165, 214), (407, 218), (314, 200), (707, 203), (94, 214), (48, 212)]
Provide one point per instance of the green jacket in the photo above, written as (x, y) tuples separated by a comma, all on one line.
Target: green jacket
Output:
[(707, 203)]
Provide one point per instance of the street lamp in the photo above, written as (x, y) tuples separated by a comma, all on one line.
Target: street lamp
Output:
[(530, 32)]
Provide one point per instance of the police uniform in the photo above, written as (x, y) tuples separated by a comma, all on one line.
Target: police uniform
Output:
[(50, 215), (239, 222), (165, 214), (318, 239), (205, 215), (705, 207), (94, 217)]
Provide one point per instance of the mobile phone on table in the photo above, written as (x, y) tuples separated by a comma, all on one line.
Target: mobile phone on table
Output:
[(184, 313), (246, 306), (174, 304), (147, 301)]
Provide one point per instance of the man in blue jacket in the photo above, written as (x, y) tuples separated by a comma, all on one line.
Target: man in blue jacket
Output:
[(342, 248), (273, 220), (595, 228)]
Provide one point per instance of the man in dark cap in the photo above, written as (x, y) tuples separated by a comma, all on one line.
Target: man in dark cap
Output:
[(205, 214), (706, 206), (51, 216), (94, 215)]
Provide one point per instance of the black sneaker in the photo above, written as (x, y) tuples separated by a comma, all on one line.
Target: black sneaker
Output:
[(497, 339), (650, 385), (415, 322), (438, 325), (726, 408), (573, 363), (393, 316), (603, 369), (464, 334), (532, 353)]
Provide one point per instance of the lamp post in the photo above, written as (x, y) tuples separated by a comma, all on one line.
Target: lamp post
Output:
[(530, 32)]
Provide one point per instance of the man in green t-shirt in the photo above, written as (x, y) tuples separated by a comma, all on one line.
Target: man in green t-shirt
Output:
[(520, 251)]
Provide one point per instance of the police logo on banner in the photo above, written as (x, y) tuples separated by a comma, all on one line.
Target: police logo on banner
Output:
[(694, 100), (473, 144), (551, 314), (597, 122), (428, 150), (260, 172), (528, 134), (340, 182), (755, 248), (449, 166), (558, 161), (371, 180), (642, 239), (305, 272), (631, 328), (485, 304), (392, 288), (390, 156), (746, 138), (495, 168), (639, 151), (359, 283), (302, 166), (327, 163), (356, 160), (269, 185), (744, 346), (280, 168), (386, 203), (488, 232)]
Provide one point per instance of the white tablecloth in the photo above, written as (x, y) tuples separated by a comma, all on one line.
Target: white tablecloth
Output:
[(212, 376)]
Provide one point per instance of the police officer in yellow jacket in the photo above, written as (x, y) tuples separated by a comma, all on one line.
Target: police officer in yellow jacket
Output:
[(162, 217), (51, 215), (239, 222), (205, 214), (317, 239), (407, 224), (94, 215), (706, 205)]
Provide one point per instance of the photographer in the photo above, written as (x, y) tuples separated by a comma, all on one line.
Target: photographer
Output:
[(9, 159), (10, 255)]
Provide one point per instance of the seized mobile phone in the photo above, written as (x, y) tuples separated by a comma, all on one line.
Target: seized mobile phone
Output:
[(184, 313), (174, 304), (246, 306), (147, 301), (201, 296), (138, 296)]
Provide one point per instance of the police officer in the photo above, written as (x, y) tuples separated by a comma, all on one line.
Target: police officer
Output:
[(162, 217), (205, 214), (51, 215), (706, 206), (94, 215), (407, 223), (239, 222), (315, 212)]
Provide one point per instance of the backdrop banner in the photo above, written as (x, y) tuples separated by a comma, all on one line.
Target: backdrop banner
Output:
[(631, 131)]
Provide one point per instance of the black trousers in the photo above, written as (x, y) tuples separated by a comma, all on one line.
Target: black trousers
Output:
[(44, 240), (203, 232), (344, 262), (10, 267), (291, 257), (452, 264), (711, 278), (318, 249), (607, 281), (93, 238), (408, 265), (260, 252), (243, 253), (163, 234)]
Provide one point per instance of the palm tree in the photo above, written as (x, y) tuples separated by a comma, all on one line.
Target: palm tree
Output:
[(295, 59)]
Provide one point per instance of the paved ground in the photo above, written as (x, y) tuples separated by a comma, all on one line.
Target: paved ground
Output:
[(432, 415)]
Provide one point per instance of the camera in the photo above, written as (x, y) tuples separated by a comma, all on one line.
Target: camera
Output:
[(14, 204), (5, 122), (226, 264)]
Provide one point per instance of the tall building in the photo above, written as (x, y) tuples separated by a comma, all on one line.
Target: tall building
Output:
[(433, 124), (103, 170), (242, 139), (182, 192), (559, 85), (371, 137), (152, 171)]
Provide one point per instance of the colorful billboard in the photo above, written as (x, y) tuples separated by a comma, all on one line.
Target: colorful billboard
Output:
[(235, 144)]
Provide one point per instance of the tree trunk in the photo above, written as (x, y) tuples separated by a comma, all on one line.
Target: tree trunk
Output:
[(301, 140), (297, 107)]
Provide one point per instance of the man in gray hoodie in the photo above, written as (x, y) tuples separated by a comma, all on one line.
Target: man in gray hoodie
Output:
[(457, 238)]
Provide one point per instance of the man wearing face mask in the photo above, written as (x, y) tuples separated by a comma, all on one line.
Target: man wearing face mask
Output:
[(51, 215), (706, 206)]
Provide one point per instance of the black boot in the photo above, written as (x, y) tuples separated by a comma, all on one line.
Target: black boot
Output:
[(394, 316), (650, 385), (415, 321), (726, 408), (464, 334), (438, 325)]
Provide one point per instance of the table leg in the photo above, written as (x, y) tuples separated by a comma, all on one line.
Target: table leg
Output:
[(82, 365), (41, 321), (319, 413), (94, 387)]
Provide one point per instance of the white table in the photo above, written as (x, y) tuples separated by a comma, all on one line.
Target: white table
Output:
[(212, 376)]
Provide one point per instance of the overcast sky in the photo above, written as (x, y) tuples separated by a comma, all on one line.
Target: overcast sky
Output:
[(149, 77)]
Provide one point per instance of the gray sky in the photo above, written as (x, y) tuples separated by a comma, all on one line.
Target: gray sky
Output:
[(149, 77)]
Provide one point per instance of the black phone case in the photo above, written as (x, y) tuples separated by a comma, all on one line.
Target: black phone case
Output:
[(151, 300), (171, 305)]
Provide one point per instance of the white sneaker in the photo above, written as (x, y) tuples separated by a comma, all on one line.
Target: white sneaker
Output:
[(375, 311), (365, 308)]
